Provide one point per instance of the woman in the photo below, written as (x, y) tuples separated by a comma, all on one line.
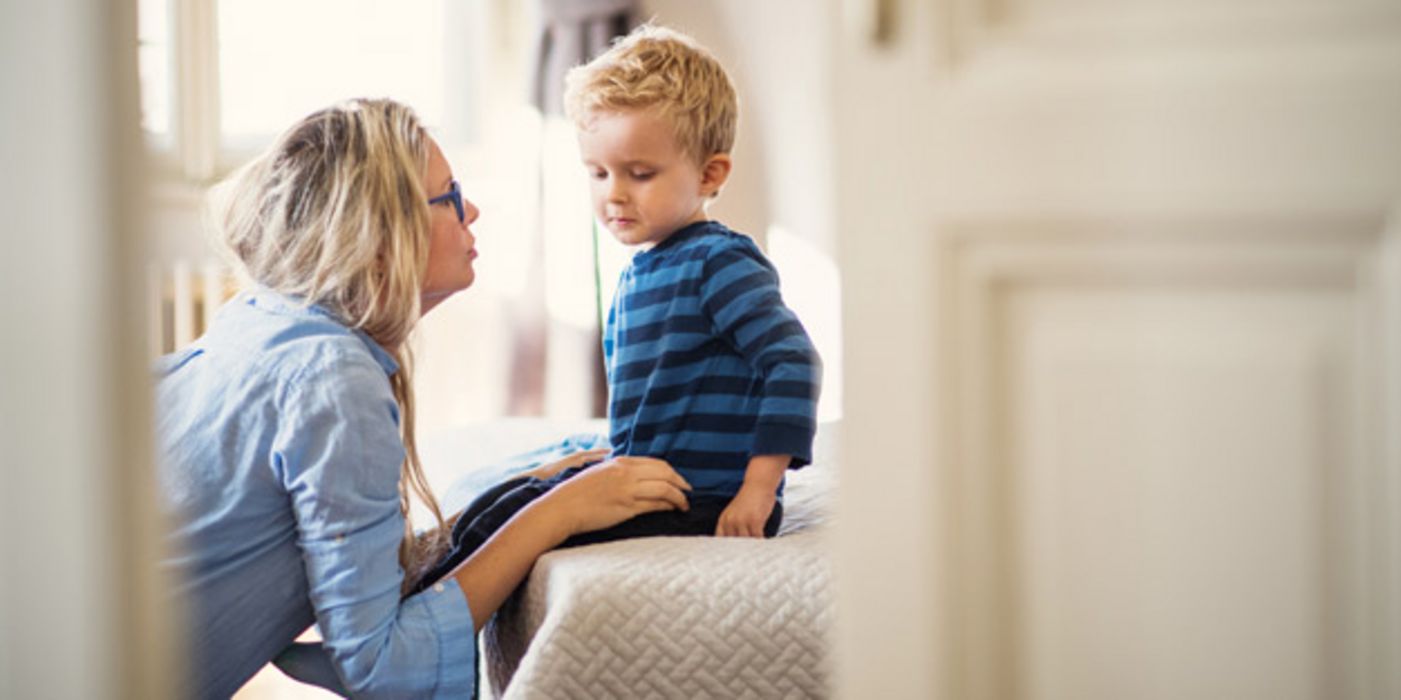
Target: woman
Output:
[(287, 431)]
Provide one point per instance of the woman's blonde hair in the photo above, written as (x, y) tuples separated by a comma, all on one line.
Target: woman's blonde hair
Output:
[(335, 213), (655, 68)]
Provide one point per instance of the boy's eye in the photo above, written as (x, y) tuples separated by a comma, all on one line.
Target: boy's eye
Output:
[(643, 174), (597, 174)]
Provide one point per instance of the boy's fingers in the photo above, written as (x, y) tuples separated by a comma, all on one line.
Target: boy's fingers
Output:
[(738, 527)]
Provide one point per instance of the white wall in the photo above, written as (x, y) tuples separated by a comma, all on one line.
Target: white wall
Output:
[(1113, 273), (890, 546), (77, 618), (783, 191), (776, 53)]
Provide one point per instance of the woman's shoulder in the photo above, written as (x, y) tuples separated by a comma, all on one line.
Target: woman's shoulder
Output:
[(289, 342)]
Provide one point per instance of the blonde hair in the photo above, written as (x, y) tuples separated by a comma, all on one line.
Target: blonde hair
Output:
[(655, 68), (335, 213)]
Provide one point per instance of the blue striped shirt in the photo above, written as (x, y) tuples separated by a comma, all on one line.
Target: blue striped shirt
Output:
[(706, 365)]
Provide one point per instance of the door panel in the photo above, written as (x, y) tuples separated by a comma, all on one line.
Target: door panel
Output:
[(1120, 306), (1162, 476), (1169, 457)]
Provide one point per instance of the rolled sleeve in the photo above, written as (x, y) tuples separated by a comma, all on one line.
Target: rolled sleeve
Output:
[(446, 606), (340, 463)]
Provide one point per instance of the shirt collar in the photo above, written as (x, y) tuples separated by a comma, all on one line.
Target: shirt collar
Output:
[(382, 356)]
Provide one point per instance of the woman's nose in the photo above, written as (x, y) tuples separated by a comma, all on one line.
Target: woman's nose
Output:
[(470, 211)]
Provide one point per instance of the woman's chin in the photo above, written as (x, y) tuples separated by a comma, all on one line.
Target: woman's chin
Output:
[(430, 299)]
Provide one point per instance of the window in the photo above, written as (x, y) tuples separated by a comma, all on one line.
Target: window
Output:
[(153, 37), (221, 78)]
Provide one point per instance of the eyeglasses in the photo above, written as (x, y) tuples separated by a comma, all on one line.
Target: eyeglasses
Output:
[(454, 195)]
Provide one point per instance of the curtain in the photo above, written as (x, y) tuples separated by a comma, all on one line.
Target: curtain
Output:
[(572, 32), (557, 365)]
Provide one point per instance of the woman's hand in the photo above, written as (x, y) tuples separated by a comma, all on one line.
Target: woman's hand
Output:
[(597, 497), (578, 459), (608, 493)]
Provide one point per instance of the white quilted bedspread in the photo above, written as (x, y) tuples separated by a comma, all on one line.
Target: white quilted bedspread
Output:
[(687, 618), (677, 617), (669, 617)]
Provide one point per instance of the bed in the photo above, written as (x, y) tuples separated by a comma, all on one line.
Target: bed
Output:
[(656, 617)]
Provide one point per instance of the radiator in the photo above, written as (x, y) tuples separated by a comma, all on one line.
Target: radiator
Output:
[(183, 297)]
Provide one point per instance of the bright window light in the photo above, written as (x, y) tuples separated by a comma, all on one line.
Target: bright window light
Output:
[(279, 61), (812, 287), (153, 39)]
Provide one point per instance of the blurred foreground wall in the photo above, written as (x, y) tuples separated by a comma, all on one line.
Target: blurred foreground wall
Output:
[(1123, 338)]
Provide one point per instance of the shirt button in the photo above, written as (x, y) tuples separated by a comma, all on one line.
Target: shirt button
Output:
[(438, 587), (340, 538)]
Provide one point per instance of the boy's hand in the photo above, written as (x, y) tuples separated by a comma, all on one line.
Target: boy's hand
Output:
[(747, 513)]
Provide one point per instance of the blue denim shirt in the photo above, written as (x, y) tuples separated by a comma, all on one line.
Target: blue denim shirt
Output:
[(279, 468)]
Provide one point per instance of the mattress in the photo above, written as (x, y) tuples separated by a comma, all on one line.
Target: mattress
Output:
[(672, 617)]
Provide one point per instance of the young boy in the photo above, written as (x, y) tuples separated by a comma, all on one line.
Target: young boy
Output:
[(707, 369)]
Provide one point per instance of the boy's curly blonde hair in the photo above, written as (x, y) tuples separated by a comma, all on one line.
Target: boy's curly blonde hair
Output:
[(655, 68)]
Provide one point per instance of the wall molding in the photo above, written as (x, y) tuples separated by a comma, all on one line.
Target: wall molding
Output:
[(970, 28)]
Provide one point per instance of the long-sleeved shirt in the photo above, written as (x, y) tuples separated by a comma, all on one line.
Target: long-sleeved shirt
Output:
[(279, 468), (706, 365)]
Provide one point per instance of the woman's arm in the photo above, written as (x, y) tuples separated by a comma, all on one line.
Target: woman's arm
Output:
[(337, 455), (494, 570), (598, 497)]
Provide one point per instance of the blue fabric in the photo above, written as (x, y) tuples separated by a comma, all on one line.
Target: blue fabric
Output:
[(706, 365), (279, 468), (310, 663), (478, 481)]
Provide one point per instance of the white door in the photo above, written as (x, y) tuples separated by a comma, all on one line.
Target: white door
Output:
[(1121, 321)]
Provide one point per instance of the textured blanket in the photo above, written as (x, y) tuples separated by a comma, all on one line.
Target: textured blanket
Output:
[(676, 617)]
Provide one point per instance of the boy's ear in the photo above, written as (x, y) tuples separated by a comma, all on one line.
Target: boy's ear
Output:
[(714, 172)]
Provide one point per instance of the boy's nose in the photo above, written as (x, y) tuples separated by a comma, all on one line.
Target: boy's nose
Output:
[(470, 212), (616, 193)]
